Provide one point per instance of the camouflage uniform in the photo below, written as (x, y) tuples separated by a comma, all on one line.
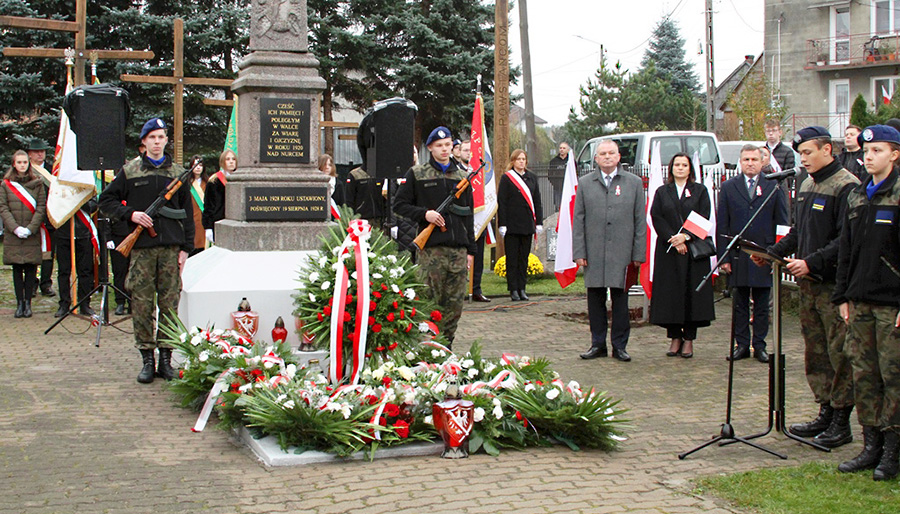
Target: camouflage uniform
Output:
[(874, 348), (153, 273), (442, 263), (827, 364)]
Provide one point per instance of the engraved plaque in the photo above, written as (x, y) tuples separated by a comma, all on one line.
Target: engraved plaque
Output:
[(284, 130), (294, 203)]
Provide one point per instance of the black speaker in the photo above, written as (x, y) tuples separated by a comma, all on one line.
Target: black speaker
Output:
[(391, 131), (98, 115)]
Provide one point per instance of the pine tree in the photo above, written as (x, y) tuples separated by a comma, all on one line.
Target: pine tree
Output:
[(666, 53), (600, 102)]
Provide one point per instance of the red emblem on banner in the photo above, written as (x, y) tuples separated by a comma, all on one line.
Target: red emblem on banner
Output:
[(454, 419)]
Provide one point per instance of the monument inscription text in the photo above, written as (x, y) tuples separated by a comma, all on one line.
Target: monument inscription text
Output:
[(284, 130), (299, 203)]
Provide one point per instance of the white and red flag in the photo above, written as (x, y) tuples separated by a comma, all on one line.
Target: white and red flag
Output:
[(709, 182), (885, 96), (484, 186), (565, 267), (655, 182), (697, 225), (781, 231)]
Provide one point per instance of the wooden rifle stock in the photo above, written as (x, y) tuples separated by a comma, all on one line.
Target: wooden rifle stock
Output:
[(127, 244), (425, 234)]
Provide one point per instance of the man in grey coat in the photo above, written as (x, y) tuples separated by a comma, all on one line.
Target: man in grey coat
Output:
[(609, 235)]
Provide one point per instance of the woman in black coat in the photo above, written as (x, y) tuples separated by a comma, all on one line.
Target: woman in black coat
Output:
[(675, 305), (520, 217)]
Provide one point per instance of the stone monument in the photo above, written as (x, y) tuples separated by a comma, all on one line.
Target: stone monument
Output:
[(277, 202)]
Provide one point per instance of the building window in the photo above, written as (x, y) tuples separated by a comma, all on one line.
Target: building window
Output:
[(887, 17), (841, 33), (884, 88)]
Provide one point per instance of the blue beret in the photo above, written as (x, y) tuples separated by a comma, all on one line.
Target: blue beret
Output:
[(878, 134), (805, 134), (456, 142), (151, 125), (438, 133)]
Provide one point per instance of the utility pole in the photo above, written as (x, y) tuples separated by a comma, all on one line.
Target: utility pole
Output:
[(530, 134), (710, 75)]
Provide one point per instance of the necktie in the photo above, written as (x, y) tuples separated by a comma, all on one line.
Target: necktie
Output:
[(752, 183), (608, 179)]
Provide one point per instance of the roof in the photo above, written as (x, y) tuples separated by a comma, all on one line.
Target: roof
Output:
[(517, 114), (727, 86)]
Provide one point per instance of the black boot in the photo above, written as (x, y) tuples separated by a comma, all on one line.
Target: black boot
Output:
[(868, 458), (514, 295), (816, 426), (838, 432), (522, 295), (20, 309), (62, 310), (26, 308), (890, 458), (146, 374), (164, 368)]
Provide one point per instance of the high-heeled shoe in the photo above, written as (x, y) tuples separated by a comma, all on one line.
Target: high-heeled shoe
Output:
[(688, 355), (675, 351)]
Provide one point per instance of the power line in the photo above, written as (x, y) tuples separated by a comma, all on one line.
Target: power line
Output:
[(742, 18)]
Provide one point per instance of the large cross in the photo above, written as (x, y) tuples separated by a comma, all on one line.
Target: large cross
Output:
[(78, 28), (179, 80)]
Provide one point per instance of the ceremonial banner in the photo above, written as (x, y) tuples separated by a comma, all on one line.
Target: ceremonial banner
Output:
[(231, 142), (709, 183), (655, 182), (484, 187), (565, 267)]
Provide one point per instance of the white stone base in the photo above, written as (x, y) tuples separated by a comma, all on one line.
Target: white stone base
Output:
[(216, 279), (271, 454)]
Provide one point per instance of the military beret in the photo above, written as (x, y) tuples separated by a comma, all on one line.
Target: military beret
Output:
[(151, 125), (438, 133), (878, 134), (38, 144), (456, 142), (805, 134)]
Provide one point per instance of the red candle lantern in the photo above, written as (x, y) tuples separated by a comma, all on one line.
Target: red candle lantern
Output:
[(454, 419), (279, 333)]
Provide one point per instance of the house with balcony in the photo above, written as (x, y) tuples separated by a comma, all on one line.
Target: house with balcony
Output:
[(821, 54)]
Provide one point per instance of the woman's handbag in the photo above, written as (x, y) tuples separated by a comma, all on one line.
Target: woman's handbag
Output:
[(701, 248)]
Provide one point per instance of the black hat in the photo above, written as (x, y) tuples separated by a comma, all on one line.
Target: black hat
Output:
[(805, 134), (878, 134), (37, 144)]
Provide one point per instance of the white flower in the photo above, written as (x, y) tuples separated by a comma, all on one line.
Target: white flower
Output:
[(473, 372), (490, 366), (553, 393), (529, 387), (410, 294), (367, 372), (289, 404), (435, 353), (440, 387), (281, 398), (573, 385), (314, 276), (346, 410), (290, 371), (196, 340), (377, 275), (204, 356), (323, 261), (406, 373), (183, 337), (378, 374), (312, 297), (194, 330), (497, 411), (423, 327), (325, 286), (410, 355), (395, 288), (429, 420), (409, 397), (353, 275), (467, 363), (479, 414)]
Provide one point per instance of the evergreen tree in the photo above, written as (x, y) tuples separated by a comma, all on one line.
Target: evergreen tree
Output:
[(666, 54), (600, 102), (859, 112)]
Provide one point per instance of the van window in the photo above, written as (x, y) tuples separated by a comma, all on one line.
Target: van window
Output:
[(705, 146), (585, 161), (627, 150), (668, 147)]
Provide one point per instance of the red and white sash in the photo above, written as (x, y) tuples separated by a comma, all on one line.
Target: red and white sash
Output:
[(357, 243), (92, 229), (523, 188), (29, 201)]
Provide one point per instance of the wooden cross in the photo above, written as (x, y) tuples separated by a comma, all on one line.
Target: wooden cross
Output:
[(78, 28), (179, 80)]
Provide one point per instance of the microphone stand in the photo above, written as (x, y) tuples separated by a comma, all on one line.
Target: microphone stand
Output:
[(727, 434)]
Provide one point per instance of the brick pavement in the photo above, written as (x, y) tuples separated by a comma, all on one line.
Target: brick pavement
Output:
[(79, 435)]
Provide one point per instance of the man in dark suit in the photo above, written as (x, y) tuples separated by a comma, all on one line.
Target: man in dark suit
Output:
[(739, 199)]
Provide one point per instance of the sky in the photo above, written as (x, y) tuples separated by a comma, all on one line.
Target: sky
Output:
[(565, 37)]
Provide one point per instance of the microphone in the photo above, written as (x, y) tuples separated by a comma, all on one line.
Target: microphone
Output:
[(781, 175)]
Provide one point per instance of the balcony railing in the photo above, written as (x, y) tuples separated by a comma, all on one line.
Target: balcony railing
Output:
[(853, 51)]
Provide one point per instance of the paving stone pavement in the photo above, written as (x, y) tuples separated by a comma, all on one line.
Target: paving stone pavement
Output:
[(79, 435)]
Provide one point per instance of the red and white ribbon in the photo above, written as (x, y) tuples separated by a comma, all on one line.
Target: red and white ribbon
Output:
[(493, 384), (358, 235), (92, 229), (523, 188), (217, 388), (29, 201)]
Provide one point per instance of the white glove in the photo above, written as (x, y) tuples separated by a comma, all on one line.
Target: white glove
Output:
[(111, 245), (209, 235), (22, 232), (539, 229), (502, 231)]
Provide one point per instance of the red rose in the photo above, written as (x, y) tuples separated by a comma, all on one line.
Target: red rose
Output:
[(373, 306), (331, 301), (319, 316), (235, 386), (383, 286), (401, 428), (386, 381), (327, 310), (391, 410), (436, 315), (395, 305), (181, 372), (376, 328), (371, 320), (368, 355), (539, 382), (390, 316), (392, 346), (401, 314), (519, 415), (408, 328), (256, 372), (349, 299), (395, 330), (413, 312), (379, 348), (347, 317), (376, 294), (372, 399)]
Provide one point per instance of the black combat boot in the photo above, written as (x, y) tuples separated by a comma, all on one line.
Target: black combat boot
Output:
[(838, 432), (146, 374), (868, 458), (26, 308), (20, 309), (164, 367), (890, 458), (816, 426)]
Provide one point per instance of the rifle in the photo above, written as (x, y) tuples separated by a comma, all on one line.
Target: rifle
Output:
[(461, 186), (165, 195)]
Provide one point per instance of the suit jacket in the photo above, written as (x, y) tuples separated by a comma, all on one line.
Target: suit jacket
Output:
[(735, 208), (609, 228), (513, 211)]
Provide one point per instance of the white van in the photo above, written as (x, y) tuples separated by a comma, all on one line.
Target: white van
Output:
[(635, 148)]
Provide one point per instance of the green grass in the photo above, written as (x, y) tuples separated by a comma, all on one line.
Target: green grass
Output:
[(492, 285), (814, 488)]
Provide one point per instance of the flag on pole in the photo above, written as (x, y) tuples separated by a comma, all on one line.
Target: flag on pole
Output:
[(655, 182), (709, 182), (698, 225), (565, 267), (484, 187), (231, 136), (885, 97)]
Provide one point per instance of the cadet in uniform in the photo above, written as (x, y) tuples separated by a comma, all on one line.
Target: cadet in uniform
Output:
[(819, 213), (156, 262), (448, 254), (867, 293)]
